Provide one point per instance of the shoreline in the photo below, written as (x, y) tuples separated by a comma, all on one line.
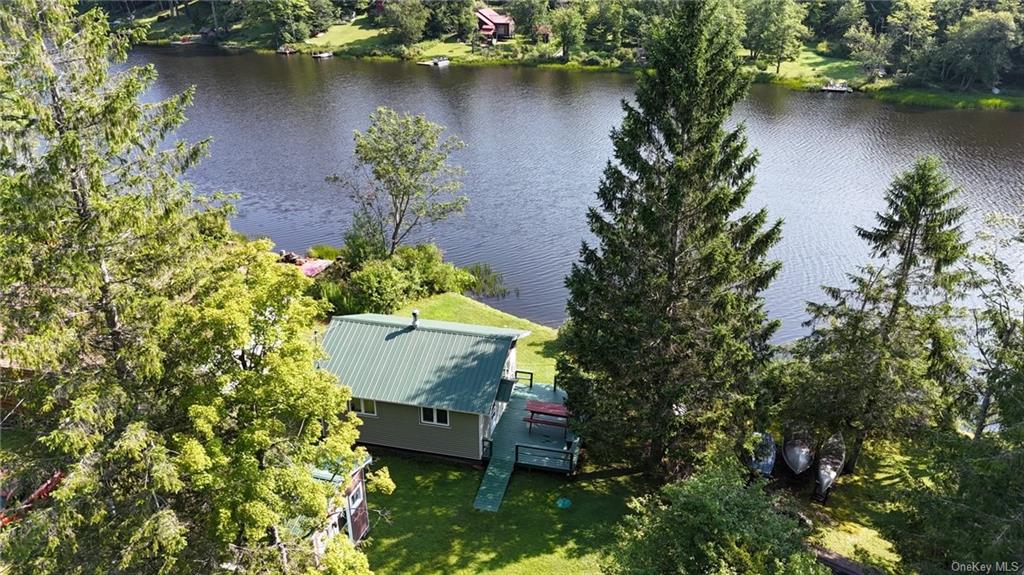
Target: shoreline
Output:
[(922, 98)]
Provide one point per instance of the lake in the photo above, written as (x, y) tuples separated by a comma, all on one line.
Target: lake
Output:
[(537, 141)]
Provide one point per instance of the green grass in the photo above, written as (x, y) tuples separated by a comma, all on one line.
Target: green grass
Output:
[(811, 70), (535, 353), (922, 97), (433, 527), (353, 36), (864, 512)]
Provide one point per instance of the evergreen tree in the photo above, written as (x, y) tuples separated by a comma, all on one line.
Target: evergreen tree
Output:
[(879, 363), (666, 328), (164, 371), (919, 231)]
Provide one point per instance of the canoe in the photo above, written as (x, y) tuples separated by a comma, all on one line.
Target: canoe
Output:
[(833, 455), (322, 55), (762, 459), (798, 450)]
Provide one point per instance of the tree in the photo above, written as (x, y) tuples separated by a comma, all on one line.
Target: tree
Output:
[(978, 49), (998, 328), (666, 327), (405, 181), (710, 523), (450, 17), (164, 371), (919, 230), (288, 18), (568, 26), (911, 25), (406, 20), (607, 22), (775, 30), (870, 49), (528, 14), (881, 364)]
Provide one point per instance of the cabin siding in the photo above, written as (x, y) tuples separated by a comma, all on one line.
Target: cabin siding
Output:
[(399, 426)]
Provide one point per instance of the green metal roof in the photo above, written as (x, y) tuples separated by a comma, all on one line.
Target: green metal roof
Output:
[(438, 364)]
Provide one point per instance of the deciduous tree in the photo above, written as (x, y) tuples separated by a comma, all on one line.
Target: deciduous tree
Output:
[(568, 25), (404, 180), (164, 369)]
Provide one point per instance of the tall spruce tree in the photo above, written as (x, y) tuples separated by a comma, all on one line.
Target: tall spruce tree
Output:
[(666, 326), (163, 371)]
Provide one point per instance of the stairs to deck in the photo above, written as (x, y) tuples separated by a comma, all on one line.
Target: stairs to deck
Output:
[(493, 485)]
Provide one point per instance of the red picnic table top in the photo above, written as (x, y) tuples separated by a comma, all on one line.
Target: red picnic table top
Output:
[(547, 408)]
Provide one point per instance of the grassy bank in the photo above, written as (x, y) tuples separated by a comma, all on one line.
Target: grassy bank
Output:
[(535, 353), (433, 528)]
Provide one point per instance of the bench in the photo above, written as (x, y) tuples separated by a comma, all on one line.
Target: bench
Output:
[(532, 420)]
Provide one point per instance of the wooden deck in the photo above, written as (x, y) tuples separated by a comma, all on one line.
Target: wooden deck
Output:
[(515, 445)]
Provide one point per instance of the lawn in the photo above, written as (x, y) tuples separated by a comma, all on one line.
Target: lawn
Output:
[(433, 527), (864, 510), (535, 353), (812, 70), (356, 35)]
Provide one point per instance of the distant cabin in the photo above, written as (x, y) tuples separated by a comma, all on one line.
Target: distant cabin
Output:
[(422, 385), (494, 25)]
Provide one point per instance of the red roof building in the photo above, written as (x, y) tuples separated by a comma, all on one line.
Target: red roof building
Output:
[(494, 25)]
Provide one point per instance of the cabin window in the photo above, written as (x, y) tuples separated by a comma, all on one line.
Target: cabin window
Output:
[(364, 406), (434, 416), (355, 499)]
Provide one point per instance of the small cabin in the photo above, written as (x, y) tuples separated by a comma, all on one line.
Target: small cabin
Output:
[(494, 25), (421, 385)]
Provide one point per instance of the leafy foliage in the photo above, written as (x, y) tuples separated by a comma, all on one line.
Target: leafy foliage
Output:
[(405, 180), (710, 523), (666, 328), (406, 20), (568, 26), (166, 373)]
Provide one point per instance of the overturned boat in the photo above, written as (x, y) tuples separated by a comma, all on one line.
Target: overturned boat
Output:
[(830, 463), (762, 458), (798, 449)]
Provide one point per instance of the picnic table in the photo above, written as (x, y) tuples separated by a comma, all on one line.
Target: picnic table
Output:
[(548, 409)]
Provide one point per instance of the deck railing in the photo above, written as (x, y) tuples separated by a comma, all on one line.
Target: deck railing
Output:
[(523, 376), (569, 458)]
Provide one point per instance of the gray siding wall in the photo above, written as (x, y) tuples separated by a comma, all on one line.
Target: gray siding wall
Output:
[(399, 426)]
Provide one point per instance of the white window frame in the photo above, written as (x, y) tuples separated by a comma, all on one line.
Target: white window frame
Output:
[(433, 411), (360, 407), (355, 499)]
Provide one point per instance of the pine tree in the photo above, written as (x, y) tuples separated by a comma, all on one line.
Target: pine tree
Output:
[(666, 326), (164, 369), (919, 230)]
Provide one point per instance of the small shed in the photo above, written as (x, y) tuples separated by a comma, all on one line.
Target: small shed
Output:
[(349, 514)]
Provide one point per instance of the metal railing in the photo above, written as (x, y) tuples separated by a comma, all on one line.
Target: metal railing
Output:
[(523, 376), (570, 458)]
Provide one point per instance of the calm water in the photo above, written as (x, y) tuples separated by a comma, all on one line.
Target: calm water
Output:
[(537, 141)]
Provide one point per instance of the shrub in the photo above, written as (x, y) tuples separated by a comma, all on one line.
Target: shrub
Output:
[(377, 288), (625, 55), (333, 293), (427, 273)]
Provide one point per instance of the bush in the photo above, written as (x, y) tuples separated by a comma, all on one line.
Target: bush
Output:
[(427, 273), (377, 288), (625, 55)]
